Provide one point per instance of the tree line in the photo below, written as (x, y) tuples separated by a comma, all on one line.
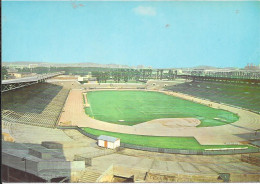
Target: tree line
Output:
[(125, 75), (4, 73), (105, 74)]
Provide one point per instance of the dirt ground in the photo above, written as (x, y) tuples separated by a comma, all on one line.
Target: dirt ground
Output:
[(64, 77), (74, 114)]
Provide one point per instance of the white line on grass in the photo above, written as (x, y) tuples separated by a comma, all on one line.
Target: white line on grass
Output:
[(90, 108)]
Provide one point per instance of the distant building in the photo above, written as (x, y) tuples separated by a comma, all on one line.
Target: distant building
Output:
[(140, 66), (108, 142), (82, 79), (11, 70), (23, 74), (251, 66), (85, 78), (14, 74), (33, 65), (92, 80), (14, 66), (179, 72)]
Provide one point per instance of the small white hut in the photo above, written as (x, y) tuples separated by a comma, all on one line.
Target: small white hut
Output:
[(108, 142)]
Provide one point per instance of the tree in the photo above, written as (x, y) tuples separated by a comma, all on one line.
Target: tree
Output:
[(171, 75), (25, 69), (137, 75), (40, 70), (116, 75), (150, 73), (97, 75), (143, 73), (4, 73), (161, 74), (126, 75), (104, 76)]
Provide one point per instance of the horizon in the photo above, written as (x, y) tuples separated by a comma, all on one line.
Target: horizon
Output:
[(158, 34), (131, 66)]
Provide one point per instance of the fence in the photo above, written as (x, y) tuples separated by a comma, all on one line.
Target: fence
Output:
[(80, 130), (190, 152), (173, 151)]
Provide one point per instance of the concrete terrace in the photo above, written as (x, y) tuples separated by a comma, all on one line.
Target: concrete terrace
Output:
[(147, 166)]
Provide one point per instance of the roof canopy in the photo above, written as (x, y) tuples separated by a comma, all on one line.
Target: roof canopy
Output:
[(107, 138)]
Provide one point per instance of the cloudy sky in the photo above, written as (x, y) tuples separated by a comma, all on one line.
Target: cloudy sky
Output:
[(159, 34)]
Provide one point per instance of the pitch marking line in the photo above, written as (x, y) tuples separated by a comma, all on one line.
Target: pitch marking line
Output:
[(90, 108)]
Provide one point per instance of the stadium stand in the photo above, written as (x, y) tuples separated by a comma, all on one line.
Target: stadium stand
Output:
[(239, 95), (39, 104)]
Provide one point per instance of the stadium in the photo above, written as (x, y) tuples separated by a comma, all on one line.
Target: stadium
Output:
[(186, 129)]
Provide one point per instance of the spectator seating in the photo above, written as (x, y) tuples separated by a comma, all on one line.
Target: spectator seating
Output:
[(240, 95), (39, 104)]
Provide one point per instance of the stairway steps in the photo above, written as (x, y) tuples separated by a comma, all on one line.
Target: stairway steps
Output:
[(89, 177)]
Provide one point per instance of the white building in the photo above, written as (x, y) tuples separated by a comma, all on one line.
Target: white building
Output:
[(81, 79), (108, 142), (33, 65)]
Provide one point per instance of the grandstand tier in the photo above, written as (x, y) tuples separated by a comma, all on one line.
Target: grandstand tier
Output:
[(39, 104), (240, 95)]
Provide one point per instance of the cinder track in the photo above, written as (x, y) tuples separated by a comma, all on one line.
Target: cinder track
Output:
[(248, 122)]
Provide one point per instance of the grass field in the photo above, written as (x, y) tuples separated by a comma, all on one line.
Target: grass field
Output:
[(140, 106), (161, 142)]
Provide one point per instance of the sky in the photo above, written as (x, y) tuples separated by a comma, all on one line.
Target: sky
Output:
[(160, 34)]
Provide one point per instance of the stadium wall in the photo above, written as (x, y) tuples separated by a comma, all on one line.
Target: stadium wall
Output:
[(114, 85)]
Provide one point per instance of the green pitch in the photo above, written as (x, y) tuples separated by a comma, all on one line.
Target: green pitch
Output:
[(162, 142), (133, 107)]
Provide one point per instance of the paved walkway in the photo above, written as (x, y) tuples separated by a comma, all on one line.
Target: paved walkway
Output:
[(74, 114)]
